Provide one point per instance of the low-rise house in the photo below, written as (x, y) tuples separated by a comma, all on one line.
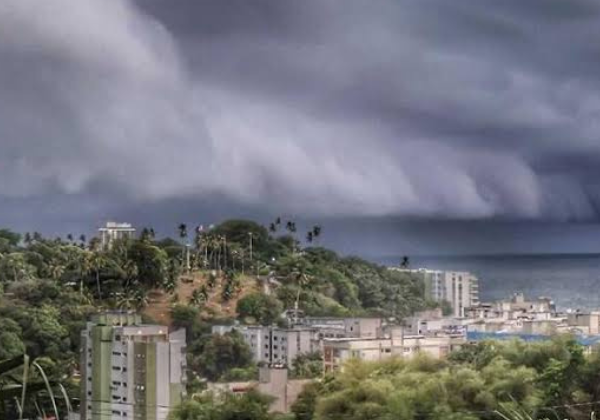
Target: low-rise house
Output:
[(273, 382), (337, 351), (586, 322)]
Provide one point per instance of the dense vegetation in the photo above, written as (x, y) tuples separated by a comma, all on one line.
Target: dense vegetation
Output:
[(50, 287), (488, 380)]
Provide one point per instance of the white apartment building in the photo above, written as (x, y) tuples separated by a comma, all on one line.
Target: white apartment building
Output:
[(459, 288), (274, 345), (114, 231), (337, 351)]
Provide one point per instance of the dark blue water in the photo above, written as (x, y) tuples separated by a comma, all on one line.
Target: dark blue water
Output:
[(572, 280)]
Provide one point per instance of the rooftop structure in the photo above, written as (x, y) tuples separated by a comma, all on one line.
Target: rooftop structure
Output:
[(114, 231)]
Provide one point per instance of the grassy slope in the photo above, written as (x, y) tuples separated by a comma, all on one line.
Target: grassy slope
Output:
[(160, 302)]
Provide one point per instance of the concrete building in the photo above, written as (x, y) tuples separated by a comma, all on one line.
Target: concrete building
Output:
[(337, 351), (130, 370), (273, 382), (330, 327), (459, 288), (273, 345), (587, 323), (114, 231)]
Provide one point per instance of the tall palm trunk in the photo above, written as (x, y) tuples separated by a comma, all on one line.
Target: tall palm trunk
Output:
[(98, 284)]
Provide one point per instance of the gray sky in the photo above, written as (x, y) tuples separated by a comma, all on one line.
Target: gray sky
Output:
[(425, 125)]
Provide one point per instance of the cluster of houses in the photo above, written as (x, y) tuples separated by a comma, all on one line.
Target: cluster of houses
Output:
[(432, 332)]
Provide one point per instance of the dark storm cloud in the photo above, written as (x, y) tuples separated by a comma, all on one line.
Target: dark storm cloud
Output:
[(438, 109)]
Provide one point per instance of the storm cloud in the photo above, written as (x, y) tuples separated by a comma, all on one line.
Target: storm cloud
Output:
[(436, 109)]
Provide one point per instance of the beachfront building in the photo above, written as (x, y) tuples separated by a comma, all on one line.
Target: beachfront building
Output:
[(130, 371), (114, 231), (514, 308), (459, 288)]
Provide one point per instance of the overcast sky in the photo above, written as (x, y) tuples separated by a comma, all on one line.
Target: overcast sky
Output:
[(423, 125)]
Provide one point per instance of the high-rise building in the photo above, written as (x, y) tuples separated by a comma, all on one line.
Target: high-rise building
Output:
[(459, 288), (130, 371), (114, 231)]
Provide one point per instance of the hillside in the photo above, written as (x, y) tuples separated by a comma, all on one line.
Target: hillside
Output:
[(160, 302)]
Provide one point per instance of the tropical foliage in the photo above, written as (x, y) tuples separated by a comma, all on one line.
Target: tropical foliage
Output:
[(489, 380)]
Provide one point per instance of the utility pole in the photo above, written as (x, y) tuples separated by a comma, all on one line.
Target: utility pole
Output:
[(187, 256), (250, 234), (225, 251)]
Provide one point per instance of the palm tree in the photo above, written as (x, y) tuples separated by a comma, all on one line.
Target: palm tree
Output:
[(130, 271), (83, 239), (145, 235), (98, 262), (291, 226), (182, 228), (28, 239), (316, 231), (310, 236), (141, 298), (405, 262), (199, 296), (84, 263), (301, 276), (56, 270), (126, 300)]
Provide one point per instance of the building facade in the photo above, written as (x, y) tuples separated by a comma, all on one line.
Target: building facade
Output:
[(273, 345), (459, 288), (130, 371), (114, 231), (337, 351)]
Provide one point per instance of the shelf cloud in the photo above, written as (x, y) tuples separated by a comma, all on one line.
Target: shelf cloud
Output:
[(445, 110)]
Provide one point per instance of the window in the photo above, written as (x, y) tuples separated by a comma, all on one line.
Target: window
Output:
[(117, 337)]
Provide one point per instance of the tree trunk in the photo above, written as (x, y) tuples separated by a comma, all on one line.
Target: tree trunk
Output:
[(98, 284)]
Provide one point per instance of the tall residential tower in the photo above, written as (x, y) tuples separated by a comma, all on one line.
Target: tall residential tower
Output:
[(459, 288), (130, 371)]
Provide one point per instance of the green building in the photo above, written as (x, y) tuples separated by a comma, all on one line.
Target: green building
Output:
[(130, 370)]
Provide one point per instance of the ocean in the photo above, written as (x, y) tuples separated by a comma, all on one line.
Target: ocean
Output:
[(571, 280)]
